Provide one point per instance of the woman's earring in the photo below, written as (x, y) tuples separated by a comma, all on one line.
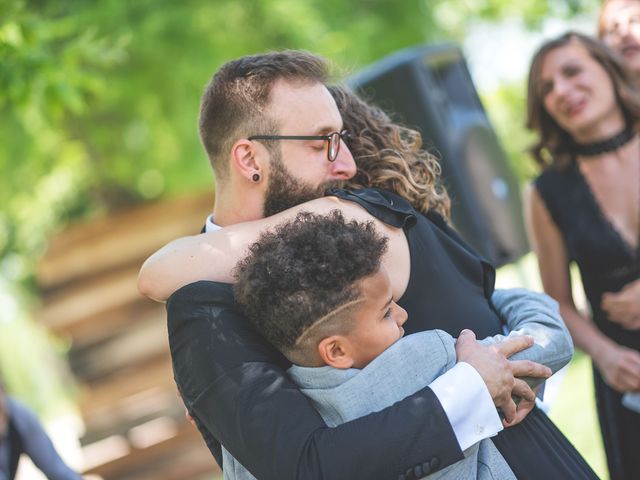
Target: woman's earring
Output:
[(255, 177)]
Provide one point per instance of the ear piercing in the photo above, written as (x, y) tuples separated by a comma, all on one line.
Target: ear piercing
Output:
[(255, 177)]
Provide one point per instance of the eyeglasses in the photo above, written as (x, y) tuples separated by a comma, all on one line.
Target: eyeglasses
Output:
[(332, 139)]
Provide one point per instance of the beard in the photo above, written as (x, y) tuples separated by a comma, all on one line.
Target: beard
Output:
[(285, 191)]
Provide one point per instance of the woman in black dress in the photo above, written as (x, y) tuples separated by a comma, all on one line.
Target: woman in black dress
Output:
[(585, 208)]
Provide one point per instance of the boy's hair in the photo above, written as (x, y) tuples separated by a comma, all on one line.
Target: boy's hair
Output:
[(300, 281), (234, 103)]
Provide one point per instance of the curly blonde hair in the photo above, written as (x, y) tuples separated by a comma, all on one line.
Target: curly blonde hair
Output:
[(390, 156)]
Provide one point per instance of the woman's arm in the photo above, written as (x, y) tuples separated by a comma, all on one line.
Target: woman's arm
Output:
[(619, 365), (213, 256)]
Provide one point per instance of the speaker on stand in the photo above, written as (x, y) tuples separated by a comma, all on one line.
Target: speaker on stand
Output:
[(429, 88)]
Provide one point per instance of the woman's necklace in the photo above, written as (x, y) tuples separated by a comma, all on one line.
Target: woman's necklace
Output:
[(604, 146), (628, 244)]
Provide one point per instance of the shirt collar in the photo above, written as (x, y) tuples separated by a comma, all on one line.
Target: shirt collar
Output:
[(210, 225)]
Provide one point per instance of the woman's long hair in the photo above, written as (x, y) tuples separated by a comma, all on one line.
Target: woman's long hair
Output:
[(554, 146), (390, 156)]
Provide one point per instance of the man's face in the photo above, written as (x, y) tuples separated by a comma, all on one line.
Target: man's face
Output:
[(299, 169), (285, 191)]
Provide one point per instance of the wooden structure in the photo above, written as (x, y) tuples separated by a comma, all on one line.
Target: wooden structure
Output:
[(135, 423)]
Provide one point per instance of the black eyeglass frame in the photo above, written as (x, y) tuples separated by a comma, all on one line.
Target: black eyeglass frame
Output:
[(329, 138)]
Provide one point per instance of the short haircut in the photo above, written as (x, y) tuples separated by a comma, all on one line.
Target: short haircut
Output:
[(234, 104), (298, 281)]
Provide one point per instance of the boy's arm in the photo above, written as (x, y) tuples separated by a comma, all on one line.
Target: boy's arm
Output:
[(537, 315)]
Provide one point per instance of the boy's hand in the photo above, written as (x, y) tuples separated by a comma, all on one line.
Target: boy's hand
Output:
[(498, 373)]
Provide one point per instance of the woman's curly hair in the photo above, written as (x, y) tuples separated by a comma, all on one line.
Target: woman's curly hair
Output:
[(390, 156), (297, 276)]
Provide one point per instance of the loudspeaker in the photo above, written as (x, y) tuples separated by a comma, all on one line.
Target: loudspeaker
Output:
[(429, 88)]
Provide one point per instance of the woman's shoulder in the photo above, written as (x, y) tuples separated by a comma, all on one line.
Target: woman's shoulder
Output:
[(381, 204)]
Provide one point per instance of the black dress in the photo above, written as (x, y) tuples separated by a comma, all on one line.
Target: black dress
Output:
[(449, 288), (607, 263)]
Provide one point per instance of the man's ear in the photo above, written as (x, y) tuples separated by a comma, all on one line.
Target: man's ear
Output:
[(244, 157), (334, 351)]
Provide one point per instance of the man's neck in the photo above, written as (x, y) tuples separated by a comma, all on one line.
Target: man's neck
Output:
[(230, 208), (226, 217)]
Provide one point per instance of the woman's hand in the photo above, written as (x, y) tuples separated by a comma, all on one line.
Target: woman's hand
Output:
[(620, 367), (623, 307)]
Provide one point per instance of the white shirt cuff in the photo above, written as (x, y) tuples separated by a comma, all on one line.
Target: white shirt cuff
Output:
[(468, 404)]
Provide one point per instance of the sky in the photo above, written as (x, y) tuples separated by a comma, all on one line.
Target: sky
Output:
[(500, 53)]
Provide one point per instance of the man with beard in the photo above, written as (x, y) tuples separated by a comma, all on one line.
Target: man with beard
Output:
[(274, 137)]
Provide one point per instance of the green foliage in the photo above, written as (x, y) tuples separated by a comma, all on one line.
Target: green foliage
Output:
[(506, 108)]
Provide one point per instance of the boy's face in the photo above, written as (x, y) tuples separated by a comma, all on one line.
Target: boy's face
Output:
[(378, 320)]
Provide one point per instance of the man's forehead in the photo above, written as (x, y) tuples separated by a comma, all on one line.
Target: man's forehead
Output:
[(304, 107)]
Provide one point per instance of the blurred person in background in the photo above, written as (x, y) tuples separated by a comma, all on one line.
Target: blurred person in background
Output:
[(21, 432), (584, 207), (619, 27)]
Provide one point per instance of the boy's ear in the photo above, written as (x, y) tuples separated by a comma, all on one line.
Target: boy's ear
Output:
[(334, 351), (244, 158)]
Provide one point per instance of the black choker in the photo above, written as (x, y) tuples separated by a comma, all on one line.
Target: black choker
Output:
[(604, 146)]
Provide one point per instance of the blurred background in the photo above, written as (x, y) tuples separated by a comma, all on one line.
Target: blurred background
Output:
[(100, 164)]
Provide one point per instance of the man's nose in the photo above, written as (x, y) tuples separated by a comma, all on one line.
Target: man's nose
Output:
[(344, 166)]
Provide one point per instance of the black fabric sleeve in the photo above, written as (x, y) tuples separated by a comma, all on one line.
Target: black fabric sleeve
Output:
[(235, 386)]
